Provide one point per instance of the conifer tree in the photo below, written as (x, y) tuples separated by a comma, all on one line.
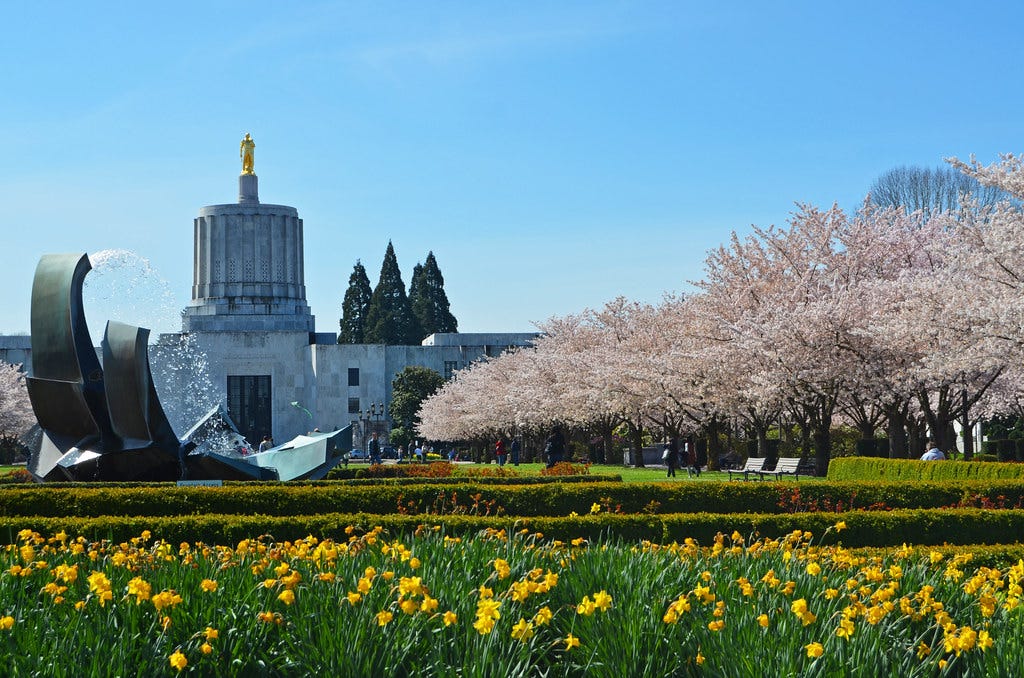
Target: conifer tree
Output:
[(390, 319), (416, 288), (429, 301), (355, 307)]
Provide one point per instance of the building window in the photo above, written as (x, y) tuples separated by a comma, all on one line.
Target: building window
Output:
[(353, 376), (353, 405), (449, 368), (249, 405)]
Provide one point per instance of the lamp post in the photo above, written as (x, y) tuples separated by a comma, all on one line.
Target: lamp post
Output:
[(377, 411)]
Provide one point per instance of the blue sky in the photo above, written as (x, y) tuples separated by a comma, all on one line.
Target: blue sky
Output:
[(553, 155)]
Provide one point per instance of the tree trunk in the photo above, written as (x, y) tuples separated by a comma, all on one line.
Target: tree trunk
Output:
[(939, 418), (636, 435), (786, 435), (761, 431), (916, 437), (822, 437), (606, 444), (714, 444), (896, 428), (966, 429)]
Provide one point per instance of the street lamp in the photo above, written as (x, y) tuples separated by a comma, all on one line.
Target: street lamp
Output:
[(376, 412)]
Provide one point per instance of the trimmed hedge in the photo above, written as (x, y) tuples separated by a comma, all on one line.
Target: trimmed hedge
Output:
[(548, 499), (864, 528), (860, 468), (482, 480)]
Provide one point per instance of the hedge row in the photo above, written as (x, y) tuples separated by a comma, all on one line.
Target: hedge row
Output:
[(475, 480), (863, 528), (861, 468), (552, 499), (351, 479)]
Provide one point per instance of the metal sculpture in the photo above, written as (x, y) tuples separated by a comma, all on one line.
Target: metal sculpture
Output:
[(106, 423)]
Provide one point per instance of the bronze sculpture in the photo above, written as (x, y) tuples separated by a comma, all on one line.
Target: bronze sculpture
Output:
[(246, 151)]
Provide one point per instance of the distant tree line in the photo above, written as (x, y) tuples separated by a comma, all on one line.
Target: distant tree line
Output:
[(386, 314)]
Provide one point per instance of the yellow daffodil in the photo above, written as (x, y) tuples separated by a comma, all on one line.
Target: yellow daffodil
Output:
[(178, 661), (522, 630), (543, 616)]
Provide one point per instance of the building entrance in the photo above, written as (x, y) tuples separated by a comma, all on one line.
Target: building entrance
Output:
[(249, 406)]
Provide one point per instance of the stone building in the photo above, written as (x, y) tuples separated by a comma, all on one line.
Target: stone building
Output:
[(264, 360)]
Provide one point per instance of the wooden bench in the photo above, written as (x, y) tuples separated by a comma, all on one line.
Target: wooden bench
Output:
[(753, 465), (789, 466)]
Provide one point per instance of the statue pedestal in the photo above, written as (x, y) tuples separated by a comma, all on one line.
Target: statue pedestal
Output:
[(248, 189), (249, 274)]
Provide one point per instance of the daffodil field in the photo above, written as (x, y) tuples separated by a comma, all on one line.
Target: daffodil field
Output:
[(501, 604)]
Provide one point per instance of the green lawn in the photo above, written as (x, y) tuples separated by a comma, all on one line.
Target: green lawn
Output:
[(628, 473)]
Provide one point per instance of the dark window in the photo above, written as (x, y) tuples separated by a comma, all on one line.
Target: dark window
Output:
[(249, 406), (353, 405), (449, 368), (353, 376)]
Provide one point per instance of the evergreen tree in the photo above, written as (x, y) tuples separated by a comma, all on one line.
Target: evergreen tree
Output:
[(355, 307), (416, 289), (390, 319), (429, 301)]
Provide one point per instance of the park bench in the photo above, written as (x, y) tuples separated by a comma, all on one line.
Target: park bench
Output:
[(785, 466), (753, 465)]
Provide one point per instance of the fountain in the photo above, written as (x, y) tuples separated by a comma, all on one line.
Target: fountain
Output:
[(106, 422)]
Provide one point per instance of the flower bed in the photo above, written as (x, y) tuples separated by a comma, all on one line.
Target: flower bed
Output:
[(370, 603)]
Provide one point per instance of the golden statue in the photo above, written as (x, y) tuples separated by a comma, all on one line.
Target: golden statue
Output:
[(246, 151)]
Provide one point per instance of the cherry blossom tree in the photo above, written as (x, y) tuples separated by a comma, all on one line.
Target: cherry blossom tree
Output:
[(16, 415), (913, 319)]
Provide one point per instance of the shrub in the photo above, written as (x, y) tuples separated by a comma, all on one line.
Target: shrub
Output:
[(435, 469), (486, 472), (17, 476), (861, 468), (565, 468), (931, 527)]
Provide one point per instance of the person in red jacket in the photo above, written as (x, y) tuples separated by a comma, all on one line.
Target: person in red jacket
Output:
[(499, 451)]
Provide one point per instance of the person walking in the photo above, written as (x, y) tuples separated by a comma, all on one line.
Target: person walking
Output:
[(515, 452), (374, 450), (499, 452), (671, 456), (696, 459), (554, 446)]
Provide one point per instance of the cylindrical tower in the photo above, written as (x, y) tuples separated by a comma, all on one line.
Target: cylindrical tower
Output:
[(248, 267)]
